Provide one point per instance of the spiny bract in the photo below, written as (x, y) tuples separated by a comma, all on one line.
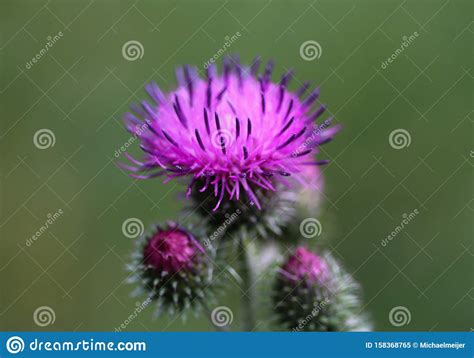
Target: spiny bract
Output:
[(313, 293)]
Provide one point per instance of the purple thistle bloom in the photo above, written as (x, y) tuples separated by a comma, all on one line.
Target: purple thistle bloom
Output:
[(231, 133)]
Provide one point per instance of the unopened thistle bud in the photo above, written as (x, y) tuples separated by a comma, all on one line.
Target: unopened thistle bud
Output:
[(313, 293), (172, 267)]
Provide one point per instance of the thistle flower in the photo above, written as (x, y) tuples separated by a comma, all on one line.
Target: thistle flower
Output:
[(232, 133), (313, 293), (172, 267)]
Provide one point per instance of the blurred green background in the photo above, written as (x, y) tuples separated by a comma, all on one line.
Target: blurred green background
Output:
[(82, 86)]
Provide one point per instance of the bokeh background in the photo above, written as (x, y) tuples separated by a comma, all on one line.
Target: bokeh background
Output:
[(81, 87)]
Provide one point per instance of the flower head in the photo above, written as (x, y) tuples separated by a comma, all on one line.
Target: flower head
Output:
[(314, 293), (305, 265), (171, 266), (230, 133), (171, 250)]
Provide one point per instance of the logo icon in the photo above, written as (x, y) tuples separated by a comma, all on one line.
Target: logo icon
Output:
[(399, 316), (399, 139), (222, 316), (310, 50), (310, 228), (44, 316), (15, 345), (132, 50), (222, 139), (132, 228), (44, 139)]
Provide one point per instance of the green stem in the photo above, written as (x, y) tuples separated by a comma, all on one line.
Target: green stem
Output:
[(248, 297)]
